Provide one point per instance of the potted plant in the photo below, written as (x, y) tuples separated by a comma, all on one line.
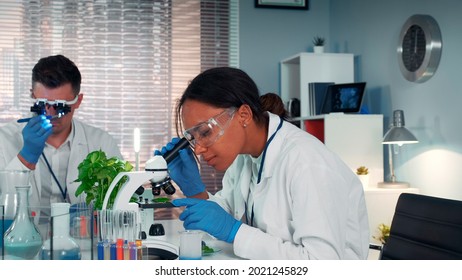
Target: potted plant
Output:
[(384, 233), (318, 44), (96, 173), (363, 175)]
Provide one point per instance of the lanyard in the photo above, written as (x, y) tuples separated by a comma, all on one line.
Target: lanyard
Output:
[(260, 172), (63, 192), (266, 148)]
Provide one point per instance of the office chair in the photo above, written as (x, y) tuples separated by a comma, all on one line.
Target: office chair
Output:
[(425, 228)]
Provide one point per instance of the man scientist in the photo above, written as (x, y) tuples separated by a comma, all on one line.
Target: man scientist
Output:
[(53, 143)]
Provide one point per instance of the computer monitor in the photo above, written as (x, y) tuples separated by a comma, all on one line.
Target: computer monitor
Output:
[(343, 98)]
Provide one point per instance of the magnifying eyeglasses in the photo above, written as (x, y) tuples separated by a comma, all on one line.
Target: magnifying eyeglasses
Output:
[(62, 107)]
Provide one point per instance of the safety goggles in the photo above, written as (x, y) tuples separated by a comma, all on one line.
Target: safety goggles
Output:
[(207, 133)]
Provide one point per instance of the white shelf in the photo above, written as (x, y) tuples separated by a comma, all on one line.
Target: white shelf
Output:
[(304, 68)]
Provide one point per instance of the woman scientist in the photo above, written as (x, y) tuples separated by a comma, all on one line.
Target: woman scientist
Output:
[(284, 194)]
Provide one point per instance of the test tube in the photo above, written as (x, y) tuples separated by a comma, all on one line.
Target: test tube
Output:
[(138, 235), (113, 231), (119, 236), (142, 250), (107, 228), (126, 234), (101, 237), (133, 233), (133, 250)]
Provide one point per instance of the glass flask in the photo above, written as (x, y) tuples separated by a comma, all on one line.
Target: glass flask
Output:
[(22, 239), (9, 179), (61, 246)]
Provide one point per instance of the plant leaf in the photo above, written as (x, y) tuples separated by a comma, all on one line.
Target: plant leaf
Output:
[(96, 172)]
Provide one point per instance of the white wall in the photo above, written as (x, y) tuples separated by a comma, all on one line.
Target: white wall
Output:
[(267, 36), (432, 109), (370, 30)]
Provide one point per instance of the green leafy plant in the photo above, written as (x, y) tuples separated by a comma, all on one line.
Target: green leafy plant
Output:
[(319, 41), (362, 170), (96, 173)]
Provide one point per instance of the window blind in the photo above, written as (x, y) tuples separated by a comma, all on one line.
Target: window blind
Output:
[(136, 58)]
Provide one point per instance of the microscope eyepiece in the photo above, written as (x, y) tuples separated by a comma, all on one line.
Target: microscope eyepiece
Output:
[(173, 153)]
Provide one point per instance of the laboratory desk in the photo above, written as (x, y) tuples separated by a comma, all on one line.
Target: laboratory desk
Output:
[(225, 250), (171, 240)]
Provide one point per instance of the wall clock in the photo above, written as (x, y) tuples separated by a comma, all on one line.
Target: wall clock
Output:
[(419, 48)]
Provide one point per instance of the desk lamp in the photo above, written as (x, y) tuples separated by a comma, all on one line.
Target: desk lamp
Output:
[(399, 135)]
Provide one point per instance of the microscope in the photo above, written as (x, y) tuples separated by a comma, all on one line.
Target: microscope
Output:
[(156, 172)]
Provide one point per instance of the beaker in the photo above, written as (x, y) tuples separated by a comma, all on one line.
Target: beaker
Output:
[(60, 246), (190, 245)]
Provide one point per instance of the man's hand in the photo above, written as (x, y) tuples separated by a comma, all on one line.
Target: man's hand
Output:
[(35, 134)]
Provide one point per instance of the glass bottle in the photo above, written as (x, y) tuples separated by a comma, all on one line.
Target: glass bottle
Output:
[(22, 239), (9, 179), (63, 245)]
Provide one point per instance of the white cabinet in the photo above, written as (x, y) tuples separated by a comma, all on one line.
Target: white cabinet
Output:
[(304, 68), (356, 138)]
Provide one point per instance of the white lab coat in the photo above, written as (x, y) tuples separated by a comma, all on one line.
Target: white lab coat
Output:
[(308, 205), (87, 139)]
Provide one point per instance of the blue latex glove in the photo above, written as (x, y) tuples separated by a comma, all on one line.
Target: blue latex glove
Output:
[(183, 169), (35, 134), (208, 216)]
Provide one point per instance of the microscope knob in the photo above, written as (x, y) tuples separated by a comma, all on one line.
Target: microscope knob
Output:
[(156, 230), (140, 190)]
